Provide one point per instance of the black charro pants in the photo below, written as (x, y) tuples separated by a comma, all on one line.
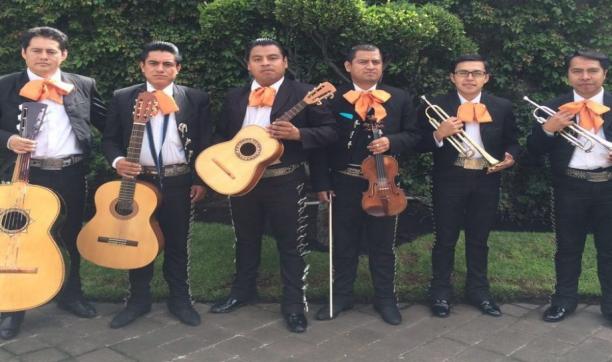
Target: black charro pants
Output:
[(69, 184), (281, 200), (468, 199), (173, 215), (580, 206), (350, 223)]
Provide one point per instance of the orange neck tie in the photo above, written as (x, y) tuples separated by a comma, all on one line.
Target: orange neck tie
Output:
[(41, 89), (165, 102), (262, 97), (473, 112), (590, 113), (363, 101)]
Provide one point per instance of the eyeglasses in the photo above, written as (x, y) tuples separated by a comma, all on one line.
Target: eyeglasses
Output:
[(467, 73)]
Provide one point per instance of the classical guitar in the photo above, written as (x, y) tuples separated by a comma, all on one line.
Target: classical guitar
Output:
[(124, 234), (31, 264), (383, 197), (234, 167)]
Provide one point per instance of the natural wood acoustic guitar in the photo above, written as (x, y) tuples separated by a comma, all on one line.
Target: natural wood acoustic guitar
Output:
[(31, 264), (124, 234), (236, 166)]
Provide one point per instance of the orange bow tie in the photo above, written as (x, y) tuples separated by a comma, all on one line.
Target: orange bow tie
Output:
[(41, 89), (473, 112), (262, 97), (165, 102), (589, 113), (366, 100)]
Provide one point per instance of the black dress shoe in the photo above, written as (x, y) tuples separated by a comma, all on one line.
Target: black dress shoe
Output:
[(229, 305), (489, 307), (128, 315), (555, 313), (296, 322), (10, 324), (323, 313), (185, 313), (440, 308), (79, 307), (389, 313)]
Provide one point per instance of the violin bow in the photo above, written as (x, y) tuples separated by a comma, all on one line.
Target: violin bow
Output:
[(331, 260)]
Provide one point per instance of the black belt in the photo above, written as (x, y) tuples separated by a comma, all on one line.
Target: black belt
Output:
[(168, 170), (602, 175), (281, 171), (54, 164), (353, 171)]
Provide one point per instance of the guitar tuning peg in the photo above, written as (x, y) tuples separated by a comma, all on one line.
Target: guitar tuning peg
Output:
[(20, 107)]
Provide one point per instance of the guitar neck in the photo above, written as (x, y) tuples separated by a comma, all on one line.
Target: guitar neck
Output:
[(287, 116), (22, 168), (128, 185)]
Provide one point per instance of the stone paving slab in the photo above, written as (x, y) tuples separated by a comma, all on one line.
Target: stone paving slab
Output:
[(257, 333)]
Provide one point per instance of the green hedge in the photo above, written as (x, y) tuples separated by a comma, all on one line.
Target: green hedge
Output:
[(524, 40)]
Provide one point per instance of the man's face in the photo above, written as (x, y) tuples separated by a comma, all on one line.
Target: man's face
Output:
[(366, 68), (469, 78), (43, 56), (586, 76), (266, 64), (160, 68)]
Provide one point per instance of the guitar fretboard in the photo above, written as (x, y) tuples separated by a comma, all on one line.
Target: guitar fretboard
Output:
[(128, 185), (287, 116)]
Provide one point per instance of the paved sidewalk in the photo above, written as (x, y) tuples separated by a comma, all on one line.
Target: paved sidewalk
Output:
[(257, 333)]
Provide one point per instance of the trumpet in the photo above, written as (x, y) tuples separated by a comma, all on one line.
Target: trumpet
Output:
[(466, 146), (573, 132)]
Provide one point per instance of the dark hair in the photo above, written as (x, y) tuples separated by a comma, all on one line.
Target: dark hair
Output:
[(363, 47), (603, 59), (162, 46), (262, 42), (44, 32), (469, 58)]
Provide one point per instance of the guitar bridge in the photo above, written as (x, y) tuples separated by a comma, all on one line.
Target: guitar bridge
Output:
[(16, 270), (117, 241)]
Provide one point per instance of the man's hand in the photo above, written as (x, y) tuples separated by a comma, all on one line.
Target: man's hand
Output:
[(380, 145), (197, 193), (126, 168), (507, 162), (449, 127), (558, 121), (21, 145), (284, 130)]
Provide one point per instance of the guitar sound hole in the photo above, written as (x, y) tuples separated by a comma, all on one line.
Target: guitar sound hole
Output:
[(123, 209), (248, 149), (14, 220)]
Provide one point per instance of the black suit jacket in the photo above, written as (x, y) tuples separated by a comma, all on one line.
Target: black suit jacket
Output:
[(399, 126), (83, 106), (316, 123), (561, 151), (498, 137), (192, 120)]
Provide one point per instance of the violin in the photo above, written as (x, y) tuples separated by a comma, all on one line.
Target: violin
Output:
[(383, 197)]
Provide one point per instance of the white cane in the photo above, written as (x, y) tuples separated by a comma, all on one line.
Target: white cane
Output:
[(331, 262)]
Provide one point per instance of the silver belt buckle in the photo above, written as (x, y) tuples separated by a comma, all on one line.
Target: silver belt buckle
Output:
[(598, 176), (473, 164)]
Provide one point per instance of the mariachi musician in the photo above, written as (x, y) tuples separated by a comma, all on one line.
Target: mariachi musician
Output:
[(280, 194), (180, 129), (336, 170), (59, 151), (466, 181), (582, 178)]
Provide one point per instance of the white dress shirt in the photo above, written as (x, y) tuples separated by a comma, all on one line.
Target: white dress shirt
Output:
[(172, 148), (56, 139), (260, 116), (472, 129), (598, 157)]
